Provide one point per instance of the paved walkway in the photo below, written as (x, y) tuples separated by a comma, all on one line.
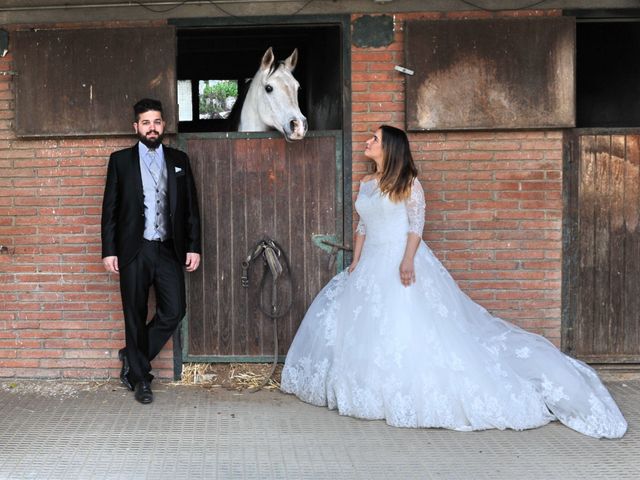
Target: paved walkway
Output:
[(97, 431)]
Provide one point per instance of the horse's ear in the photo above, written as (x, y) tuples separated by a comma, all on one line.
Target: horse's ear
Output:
[(267, 59), (292, 61)]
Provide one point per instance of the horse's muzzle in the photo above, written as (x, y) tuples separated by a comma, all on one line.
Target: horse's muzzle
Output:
[(296, 129)]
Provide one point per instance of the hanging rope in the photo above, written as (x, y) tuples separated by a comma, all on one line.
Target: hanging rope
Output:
[(276, 269)]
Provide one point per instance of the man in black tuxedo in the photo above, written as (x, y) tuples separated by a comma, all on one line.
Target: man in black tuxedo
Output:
[(150, 229)]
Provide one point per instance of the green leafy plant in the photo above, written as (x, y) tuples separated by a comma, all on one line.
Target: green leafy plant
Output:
[(214, 97)]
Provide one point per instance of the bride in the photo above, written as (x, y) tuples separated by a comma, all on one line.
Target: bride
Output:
[(393, 337)]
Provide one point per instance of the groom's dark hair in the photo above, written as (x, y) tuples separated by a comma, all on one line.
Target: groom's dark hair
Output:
[(146, 105)]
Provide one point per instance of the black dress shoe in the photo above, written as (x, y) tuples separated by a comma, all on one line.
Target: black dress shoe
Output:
[(124, 371), (143, 392)]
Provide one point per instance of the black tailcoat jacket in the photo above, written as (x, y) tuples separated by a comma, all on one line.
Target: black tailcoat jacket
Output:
[(123, 205)]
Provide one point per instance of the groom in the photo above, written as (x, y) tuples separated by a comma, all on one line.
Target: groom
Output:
[(150, 230)]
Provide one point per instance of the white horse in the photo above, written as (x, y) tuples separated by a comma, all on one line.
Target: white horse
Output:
[(272, 99)]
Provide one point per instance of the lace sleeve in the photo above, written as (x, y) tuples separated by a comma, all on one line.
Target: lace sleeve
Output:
[(416, 208), (360, 230)]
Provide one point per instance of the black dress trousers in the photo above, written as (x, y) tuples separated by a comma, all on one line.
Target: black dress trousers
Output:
[(156, 264)]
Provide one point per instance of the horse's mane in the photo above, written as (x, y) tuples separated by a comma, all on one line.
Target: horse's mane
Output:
[(275, 66), (233, 120)]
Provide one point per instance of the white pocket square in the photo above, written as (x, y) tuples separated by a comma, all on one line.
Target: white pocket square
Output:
[(178, 169)]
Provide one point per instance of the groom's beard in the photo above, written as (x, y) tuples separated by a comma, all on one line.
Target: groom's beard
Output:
[(151, 143)]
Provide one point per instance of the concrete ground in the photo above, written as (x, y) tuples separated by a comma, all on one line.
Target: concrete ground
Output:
[(65, 430)]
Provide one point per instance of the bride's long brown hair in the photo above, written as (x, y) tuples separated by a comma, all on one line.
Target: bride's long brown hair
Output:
[(399, 171)]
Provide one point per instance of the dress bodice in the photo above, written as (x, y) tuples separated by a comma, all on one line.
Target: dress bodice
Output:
[(385, 221)]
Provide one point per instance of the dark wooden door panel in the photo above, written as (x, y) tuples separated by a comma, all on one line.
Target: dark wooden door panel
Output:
[(499, 73), (85, 81), (602, 265), (251, 188)]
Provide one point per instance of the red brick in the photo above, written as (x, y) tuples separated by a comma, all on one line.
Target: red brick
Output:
[(373, 117), (521, 195), (520, 214), (384, 106), (469, 155), (18, 154), (372, 97), (64, 343), (396, 86), (496, 205), (366, 56), (519, 155), (469, 235), (39, 353), (447, 206), (19, 363), (370, 77)]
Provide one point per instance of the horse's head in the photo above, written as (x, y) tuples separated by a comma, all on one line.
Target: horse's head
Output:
[(272, 100)]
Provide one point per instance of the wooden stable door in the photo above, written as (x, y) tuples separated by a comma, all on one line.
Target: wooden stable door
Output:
[(252, 186), (601, 286)]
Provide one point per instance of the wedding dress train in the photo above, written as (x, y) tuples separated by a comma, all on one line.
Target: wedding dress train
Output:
[(427, 355)]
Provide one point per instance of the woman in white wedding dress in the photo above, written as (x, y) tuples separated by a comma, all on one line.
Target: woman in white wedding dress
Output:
[(393, 337)]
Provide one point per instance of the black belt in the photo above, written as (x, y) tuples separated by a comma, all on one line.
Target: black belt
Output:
[(159, 241)]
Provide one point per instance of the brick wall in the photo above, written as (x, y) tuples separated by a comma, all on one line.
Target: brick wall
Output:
[(494, 212), (494, 199), (60, 313)]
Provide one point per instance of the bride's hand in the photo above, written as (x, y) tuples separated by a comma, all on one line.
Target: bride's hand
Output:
[(407, 272), (352, 267)]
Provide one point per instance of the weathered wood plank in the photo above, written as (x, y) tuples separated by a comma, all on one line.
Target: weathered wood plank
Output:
[(240, 247), (571, 253), (272, 157), (196, 310), (630, 330), (584, 314), (212, 198), (280, 177), (252, 151), (298, 237), (613, 341), (312, 172), (602, 300)]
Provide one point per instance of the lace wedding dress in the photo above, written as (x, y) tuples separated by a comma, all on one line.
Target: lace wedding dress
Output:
[(427, 355)]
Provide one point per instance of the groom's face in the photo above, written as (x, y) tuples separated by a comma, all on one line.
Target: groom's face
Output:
[(150, 128)]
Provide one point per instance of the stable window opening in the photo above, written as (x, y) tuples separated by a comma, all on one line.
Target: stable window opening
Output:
[(607, 74), (216, 63)]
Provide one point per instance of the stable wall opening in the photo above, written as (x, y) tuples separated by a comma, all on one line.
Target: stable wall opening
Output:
[(607, 74), (230, 55)]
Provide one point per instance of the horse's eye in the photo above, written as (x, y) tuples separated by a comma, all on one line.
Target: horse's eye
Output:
[(269, 88)]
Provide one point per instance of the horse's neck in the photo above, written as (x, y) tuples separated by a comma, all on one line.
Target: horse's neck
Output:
[(249, 117), (250, 122)]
